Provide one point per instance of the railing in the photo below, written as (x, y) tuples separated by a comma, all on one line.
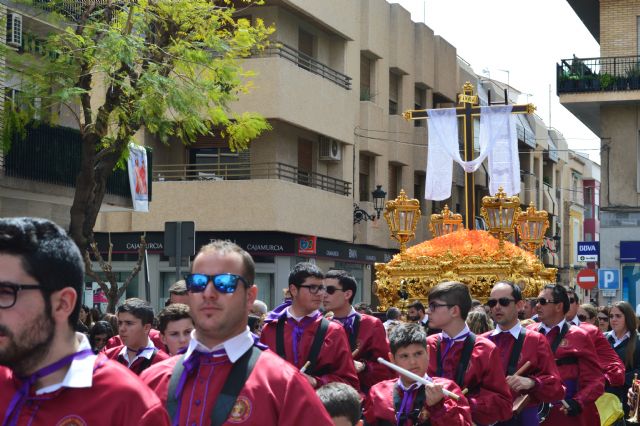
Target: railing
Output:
[(249, 171), (52, 155), (578, 75), (71, 9), (306, 62)]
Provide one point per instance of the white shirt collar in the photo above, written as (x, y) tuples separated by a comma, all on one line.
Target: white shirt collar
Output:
[(617, 341), (146, 353), (548, 329), (515, 330), (80, 373), (575, 320), (425, 320), (404, 388), (234, 347), (464, 331), (312, 314)]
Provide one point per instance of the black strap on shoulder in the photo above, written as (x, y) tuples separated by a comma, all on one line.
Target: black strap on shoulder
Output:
[(418, 403), (146, 363), (172, 401), (236, 380), (353, 338), (318, 339), (438, 358), (280, 335), (469, 342), (567, 361), (515, 353), (559, 337)]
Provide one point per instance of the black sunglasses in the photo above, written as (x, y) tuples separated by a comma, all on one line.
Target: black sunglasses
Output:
[(602, 318), (332, 289), (224, 283), (544, 301), (503, 301)]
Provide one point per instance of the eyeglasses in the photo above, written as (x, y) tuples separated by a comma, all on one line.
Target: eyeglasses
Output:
[(583, 318), (314, 288), (9, 293), (544, 301), (503, 301), (602, 318), (224, 283), (331, 289), (433, 305)]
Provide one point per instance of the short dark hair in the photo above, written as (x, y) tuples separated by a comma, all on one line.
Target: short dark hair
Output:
[(393, 313), (179, 288), (254, 323), (348, 282), (572, 293), (364, 307), (516, 291), (406, 334), (453, 293), (173, 312), (559, 294), (228, 247), (100, 327), (340, 400), (48, 254), (138, 308), (417, 305), (302, 271)]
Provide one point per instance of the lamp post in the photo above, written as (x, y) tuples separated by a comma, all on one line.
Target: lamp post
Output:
[(500, 212), (360, 215), (445, 223), (402, 215), (531, 227)]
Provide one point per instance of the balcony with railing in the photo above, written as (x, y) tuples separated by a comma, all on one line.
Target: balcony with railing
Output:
[(249, 171), (586, 75)]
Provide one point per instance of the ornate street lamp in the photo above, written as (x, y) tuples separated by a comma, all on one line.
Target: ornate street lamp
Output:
[(500, 212), (445, 223), (360, 215), (402, 215), (531, 227)]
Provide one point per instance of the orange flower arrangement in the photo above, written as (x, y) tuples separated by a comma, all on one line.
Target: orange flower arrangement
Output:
[(468, 243)]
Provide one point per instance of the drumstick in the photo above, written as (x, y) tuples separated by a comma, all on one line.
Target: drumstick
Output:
[(522, 369), (305, 366), (465, 390), (415, 377), (567, 406)]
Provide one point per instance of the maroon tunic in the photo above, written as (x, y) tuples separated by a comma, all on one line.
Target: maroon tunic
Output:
[(116, 397), (489, 395), (139, 364), (372, 343), (379, 406), (543, 369), (584, 373), (274, 394), (610, 363), (334, 360)]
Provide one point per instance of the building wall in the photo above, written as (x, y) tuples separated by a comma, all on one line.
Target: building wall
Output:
[(618, 27)]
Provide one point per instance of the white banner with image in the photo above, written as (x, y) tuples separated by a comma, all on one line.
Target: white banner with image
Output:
[(137, 166)]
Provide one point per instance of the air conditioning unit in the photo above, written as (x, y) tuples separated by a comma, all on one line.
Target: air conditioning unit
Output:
[(330, 149), (14, 29)]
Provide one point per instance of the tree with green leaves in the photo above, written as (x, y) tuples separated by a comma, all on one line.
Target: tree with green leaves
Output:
[(170, 67)]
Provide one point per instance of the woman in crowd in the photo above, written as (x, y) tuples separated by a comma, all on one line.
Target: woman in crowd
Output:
[(100, 333), (479, 322), (603, 319), (623, 337), (588, 313)]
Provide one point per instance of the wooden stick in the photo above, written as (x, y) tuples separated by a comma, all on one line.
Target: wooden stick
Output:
[(415, 377), (465, 391), (523, 400), (305, 366), (522, 369)]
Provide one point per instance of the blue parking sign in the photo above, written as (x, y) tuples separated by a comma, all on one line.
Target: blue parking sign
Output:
[(608, 279)]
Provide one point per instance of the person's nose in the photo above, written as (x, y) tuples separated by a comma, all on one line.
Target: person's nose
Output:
[(210, 291)]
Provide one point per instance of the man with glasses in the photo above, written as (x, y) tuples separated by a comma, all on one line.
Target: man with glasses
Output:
[(300, 334), (576, 360), (48, 373), (517, 346), (224, 377), (457, 354), (610, 363), (366, 334)]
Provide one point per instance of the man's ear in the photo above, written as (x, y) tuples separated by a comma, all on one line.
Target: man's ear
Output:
[(293, 290), (146, 328), (391, 358), (63, 302), (456, 311)]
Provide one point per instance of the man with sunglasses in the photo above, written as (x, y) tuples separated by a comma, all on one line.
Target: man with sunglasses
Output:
[(366, 334), (225, 377), (610, 363), (48, 373), (457, 354), (576, 360), (300, 334), (517, 345)]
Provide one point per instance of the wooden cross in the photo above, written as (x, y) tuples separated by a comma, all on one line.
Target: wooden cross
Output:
[(467, 109)]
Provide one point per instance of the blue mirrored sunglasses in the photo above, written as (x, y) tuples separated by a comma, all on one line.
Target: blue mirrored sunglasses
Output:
[(224, 283)]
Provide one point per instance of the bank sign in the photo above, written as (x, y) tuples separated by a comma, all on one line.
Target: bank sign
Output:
[(588, 251)]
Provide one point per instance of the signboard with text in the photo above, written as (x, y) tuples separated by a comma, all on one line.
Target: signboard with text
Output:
[(588, 251)]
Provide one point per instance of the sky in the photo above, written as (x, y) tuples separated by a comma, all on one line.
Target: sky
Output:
[(526, 38)]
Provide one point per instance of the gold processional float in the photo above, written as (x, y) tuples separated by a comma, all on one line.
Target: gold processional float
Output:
[(476, 258)]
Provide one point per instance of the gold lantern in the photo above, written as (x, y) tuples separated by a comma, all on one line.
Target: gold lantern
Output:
[(500, 212), (531, 227), (445, 222), (402, 215)]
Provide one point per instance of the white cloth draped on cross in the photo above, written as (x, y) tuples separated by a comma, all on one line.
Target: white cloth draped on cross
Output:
[(498, 143)]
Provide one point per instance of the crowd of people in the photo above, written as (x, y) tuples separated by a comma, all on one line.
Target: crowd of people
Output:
[(216, 355)]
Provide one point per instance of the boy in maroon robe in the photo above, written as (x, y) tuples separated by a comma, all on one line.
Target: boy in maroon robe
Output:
[(403, 401), (473, 362), (224, 374)]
